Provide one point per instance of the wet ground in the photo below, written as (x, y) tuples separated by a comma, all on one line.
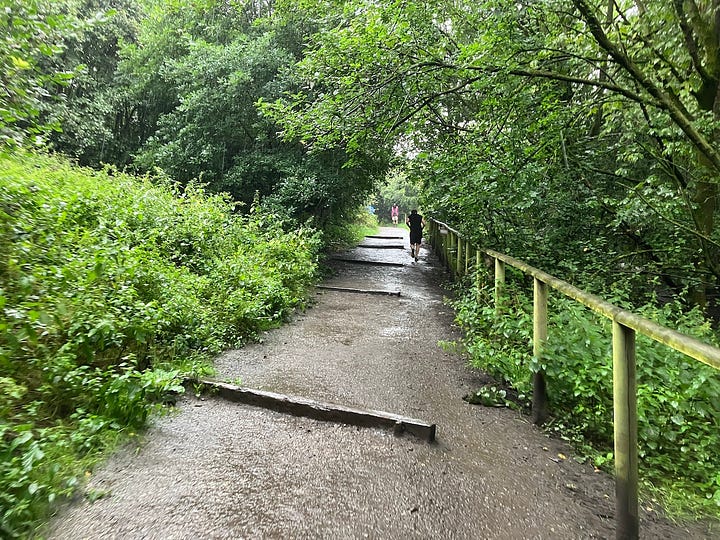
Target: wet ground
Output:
[(227, 471)]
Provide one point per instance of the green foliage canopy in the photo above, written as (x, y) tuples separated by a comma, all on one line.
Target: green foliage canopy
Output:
[(32, 32), (527, 116), (175, 85)]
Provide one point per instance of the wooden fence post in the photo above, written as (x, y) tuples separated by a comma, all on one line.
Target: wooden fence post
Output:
[(440, 244), (499, 284), (446, 248), (540, 323), (452, 251), (625, 420), (460, 255)]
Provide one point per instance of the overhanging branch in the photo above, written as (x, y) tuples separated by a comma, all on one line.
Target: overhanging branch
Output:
[(664, 101)]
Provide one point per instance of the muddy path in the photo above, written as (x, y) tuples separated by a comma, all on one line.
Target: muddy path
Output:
[(227, 471)]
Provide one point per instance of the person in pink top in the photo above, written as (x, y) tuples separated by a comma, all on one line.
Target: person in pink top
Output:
[(394, 214)]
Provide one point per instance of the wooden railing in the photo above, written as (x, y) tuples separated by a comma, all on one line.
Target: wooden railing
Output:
[(460, 256)]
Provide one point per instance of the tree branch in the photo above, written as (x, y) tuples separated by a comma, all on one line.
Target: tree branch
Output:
[(429, 99), (629, 184), (690, 42), (665, 102)]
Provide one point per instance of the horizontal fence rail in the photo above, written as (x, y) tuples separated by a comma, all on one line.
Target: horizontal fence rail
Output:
[(459, 256), (672, 338)]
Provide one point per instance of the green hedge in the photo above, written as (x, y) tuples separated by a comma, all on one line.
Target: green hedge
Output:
[(112, 288)]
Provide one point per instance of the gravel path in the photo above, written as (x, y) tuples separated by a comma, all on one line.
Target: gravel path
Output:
[(220, 470)]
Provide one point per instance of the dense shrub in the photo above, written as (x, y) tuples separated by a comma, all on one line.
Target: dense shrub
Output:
[(678, 397), (350, 230), (112, 288)]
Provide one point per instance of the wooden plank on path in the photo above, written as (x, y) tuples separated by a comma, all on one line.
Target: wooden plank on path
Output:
[(362, 261), (384, 237), (353, 290), (381, 246), (327, 412)]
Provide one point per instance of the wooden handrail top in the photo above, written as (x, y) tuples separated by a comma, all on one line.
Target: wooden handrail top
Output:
[(448, 227), (683, 343)]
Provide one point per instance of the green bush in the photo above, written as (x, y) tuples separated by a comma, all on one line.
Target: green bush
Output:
[(112, 289), (350, 231), (678, 397)]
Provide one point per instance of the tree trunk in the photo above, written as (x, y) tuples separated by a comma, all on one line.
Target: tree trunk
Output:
[(706, 191)]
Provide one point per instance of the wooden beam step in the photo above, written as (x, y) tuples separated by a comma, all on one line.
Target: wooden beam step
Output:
[(353, 290), (361, 261), (327, 412)]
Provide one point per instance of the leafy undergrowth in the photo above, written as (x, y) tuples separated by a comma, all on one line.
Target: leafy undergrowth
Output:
[(349, 233), (112, 289), (678, 397)]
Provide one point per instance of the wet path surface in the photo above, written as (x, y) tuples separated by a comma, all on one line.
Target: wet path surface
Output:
[(222, 470)]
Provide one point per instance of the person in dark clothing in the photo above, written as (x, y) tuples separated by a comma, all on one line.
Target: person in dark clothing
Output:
[(416, 223)]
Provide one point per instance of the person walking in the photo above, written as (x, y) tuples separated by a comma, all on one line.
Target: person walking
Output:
[(416, 223), (395, 214)]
